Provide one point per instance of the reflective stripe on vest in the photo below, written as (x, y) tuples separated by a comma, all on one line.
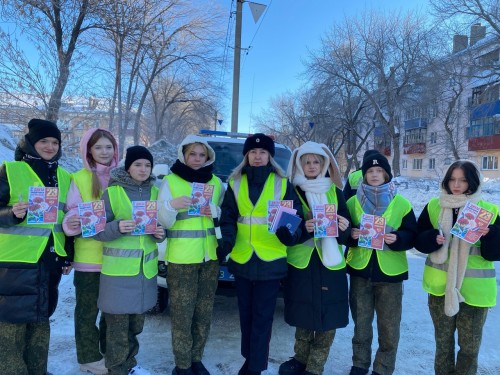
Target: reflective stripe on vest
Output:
[(22, 242), (355, 178), (192, 238), (479, 287), (391, 262), (252, 234), (300, 255), (123, 256), (87, 250)]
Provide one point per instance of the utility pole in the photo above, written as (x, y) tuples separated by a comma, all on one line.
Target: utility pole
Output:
[(236, 69)]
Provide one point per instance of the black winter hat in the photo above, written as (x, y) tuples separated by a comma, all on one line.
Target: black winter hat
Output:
[(369, 153), (137, 152), (39, 129), (259, 140), (376, 160)]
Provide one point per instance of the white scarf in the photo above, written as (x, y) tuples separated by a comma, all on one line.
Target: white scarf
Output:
[(316, 190), (457, 251)]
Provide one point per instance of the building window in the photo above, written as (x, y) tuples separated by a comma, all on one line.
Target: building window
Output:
[(417, 164), (489, 163), (404, 164), (433, 138), (432, 163)]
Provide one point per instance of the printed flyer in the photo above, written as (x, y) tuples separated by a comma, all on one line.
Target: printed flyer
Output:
[(282, 209), (43, 205), (92, 217), (327, 223), (371, 232), (201, 196), (145, 215), (471, 219), (272, 211)]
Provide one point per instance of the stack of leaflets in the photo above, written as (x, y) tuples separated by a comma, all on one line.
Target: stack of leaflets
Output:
[(471, 219), (273, 208), (326, 224), (371, 232), (92, 217), (201, 196), (43, 205), (145, 215), (286, 217)]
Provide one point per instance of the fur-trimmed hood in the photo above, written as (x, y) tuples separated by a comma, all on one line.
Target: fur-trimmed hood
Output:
[(196, 139), (330, 166)]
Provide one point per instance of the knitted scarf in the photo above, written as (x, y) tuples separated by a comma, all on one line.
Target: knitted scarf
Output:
[(315, 191), (375, 199), (454, 249)]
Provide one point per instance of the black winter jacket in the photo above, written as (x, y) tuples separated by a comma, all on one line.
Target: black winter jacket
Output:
[(28, 292), (255, 268)]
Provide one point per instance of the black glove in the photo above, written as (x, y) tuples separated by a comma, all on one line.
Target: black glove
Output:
[(162, 269), (285, 237), (223, 251)]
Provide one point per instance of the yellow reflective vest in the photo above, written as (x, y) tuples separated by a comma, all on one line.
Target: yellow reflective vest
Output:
[(300, 255), (391, 262), (123, 256), (191, 237), (22, 242), (355, 178), (479, 287), (252, 234), (87, 250)]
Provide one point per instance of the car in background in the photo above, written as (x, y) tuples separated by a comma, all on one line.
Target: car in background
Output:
[(228, 147)]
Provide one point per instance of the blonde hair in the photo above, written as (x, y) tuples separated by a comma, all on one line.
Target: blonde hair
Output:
[(186, 149), (313, 157)]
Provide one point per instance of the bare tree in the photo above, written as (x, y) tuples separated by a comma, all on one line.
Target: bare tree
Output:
[(54, 29), (149, 37), (468, 11), (381, 55)]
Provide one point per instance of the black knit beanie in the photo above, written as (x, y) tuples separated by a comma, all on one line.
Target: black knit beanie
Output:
[(137, 152), (376, 160), (369, 153), (259, 140), (39, 129)]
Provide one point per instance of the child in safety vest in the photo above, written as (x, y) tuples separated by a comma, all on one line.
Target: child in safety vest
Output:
[(459, 276), (127, 287), (32, 249), (99, 153), (376, 276)]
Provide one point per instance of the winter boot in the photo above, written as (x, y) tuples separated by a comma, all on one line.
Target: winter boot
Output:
[(199, 369), (292, 367), (375, 373), (96, 368), (138, 370), (181, 371), (358, 371), (244, 368)]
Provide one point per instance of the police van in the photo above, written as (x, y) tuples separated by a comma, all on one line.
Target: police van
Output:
[(228, 147)]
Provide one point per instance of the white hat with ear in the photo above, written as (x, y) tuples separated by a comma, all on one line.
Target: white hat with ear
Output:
[(310, 147)]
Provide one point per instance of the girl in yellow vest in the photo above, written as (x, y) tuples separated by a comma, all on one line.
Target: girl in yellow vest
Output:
[(315, 292), (127, 287), (193, 269), (257, 256), (99, 153), (459, 276), (32, 256), (376, 276)]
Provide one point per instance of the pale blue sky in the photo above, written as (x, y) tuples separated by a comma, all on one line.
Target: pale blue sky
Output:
[(281, 39)]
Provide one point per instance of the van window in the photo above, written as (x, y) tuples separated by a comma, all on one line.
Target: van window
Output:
[(229, 156)]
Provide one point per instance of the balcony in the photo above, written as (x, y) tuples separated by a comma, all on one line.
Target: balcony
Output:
[(490, 142), (414, 148), (416, 123)]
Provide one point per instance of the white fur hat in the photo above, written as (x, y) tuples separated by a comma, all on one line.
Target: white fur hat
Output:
[(321, 149)]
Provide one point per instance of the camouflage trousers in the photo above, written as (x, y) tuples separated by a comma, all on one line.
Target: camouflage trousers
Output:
[(192, 289), (469, 324), (312, 348), (366, 298), (24, 348), (121, 341), (88, 337)]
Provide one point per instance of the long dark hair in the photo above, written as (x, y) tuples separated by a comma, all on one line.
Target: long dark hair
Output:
[(470, 172)]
